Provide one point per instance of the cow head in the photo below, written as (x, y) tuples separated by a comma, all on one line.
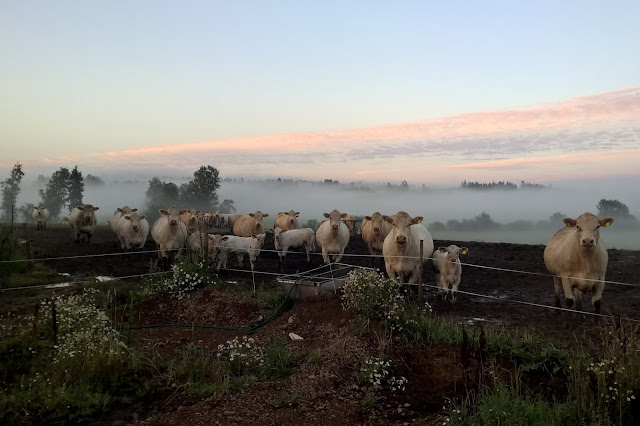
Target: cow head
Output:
[(587, 229), (135, 219), (376, 222), (258, 216), (173, 215), (87, 213), (401, 223), (335, 217), (277, 232), (453, 252)]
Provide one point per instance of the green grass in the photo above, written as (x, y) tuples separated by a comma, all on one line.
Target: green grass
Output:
[(278, 361)]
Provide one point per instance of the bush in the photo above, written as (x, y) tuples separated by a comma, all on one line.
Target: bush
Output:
[(370, 294)]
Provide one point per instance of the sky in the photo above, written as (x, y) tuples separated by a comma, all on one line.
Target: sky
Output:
[(430, 92)]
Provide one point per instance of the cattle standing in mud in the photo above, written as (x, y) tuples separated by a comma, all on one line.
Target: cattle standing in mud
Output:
[(40, 216), (448, 269), (333, 236), (170, 234), (83, 221), (401, 248), (578, 259)]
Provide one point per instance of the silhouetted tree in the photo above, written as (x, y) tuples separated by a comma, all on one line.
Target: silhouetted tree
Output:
[(56, 194), (76, 188), (92, 180), (227, 206), (10, 190), (160, 195), (614, 208), (200, 193)]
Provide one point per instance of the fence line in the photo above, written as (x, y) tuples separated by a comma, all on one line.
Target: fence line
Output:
[(472, 265)]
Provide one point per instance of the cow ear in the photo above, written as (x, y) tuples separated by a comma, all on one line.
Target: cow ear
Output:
[(464, 250), (265, 215), (387, 219), (297, 214), (79, 207), (134, 210), (417, 219), (279, 213), (96, 208), (128, 217), (253, 236), (251, 214), (343, 215), (606, 222), (142, 217), (164, 212), (182, 212), (225, 238), (198, 212), (368, 217), (569, 222), (442, 249), (119, 209), (326, 215)]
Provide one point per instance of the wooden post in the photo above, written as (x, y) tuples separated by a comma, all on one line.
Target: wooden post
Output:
[(206, 248), (28, 238), (420, 272)]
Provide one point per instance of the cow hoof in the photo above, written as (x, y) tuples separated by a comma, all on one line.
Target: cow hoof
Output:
[(596, 305), (569, 303)]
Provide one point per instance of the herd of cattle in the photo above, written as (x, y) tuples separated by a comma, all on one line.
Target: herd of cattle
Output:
[(575, 255)]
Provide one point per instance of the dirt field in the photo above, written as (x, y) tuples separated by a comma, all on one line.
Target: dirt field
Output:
[(324, 393)]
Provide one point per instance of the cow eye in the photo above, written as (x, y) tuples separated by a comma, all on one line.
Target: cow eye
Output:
[(577, 227)]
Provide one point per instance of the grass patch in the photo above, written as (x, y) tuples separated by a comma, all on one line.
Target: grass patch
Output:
[(278, 361)]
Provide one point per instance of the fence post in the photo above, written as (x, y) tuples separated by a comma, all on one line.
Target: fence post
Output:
[(420, 272), (206, 248), (28, 238)]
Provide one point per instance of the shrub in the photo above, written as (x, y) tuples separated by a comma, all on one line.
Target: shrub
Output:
[(242, 354), (371, 294)]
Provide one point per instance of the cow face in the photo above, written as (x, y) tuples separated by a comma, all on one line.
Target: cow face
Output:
[(335, 217), (173, 215), (88, 213), (258, 216), (587, 229), (401, 223), (376, 222), (135, 219), (453, 252)]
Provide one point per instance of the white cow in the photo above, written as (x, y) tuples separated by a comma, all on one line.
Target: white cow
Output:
[(40, 216), (240, 246), (83, 221), (448, 269), (169, 233), (333, 236), (401, 248), (120, 211), (578, 259), (132, 231), (294, 238), (196, 243)]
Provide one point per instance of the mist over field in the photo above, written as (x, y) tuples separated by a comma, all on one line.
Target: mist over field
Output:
[(434, 204)]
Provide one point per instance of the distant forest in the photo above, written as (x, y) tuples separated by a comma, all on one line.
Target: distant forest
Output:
[(501, 186)]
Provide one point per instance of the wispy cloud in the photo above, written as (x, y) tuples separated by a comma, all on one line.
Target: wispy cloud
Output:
[(585, 127)]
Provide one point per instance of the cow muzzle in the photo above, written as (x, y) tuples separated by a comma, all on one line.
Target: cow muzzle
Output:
[(401, 240), (334, 227)]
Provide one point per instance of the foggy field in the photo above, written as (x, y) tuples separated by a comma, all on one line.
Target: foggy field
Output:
[(613, 239), (312, 200)]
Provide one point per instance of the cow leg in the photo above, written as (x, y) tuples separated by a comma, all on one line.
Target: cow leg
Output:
[(577, 294), (442, 287), (568, 292), (240, 257), (557, 285), (598, 288), (339, 257), (325, 256), (454, 290)]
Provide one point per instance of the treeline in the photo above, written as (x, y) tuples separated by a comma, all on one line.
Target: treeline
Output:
[(502, 186), (483, 222)]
